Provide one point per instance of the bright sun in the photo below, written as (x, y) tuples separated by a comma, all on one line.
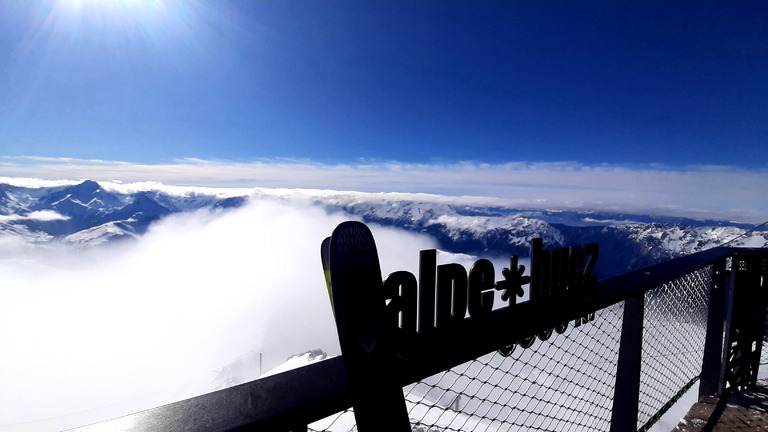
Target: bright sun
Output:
[(115, 11), (159, 22)]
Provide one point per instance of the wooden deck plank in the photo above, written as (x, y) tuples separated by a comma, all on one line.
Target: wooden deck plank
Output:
[(746, 411)]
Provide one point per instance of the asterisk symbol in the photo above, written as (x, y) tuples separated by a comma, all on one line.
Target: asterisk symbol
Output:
[(513, 280)]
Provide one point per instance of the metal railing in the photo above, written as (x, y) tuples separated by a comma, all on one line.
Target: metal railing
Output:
[(564, 383), (648, 336)]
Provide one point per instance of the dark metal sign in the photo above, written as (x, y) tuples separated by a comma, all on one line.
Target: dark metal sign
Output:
[(447, 297), (446, 304), (400, 330)]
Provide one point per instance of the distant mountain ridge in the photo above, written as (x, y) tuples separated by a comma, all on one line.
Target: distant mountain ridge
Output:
[(87, 214), (627, 241)]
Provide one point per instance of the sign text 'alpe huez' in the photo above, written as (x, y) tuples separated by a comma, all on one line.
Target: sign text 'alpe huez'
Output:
[(401, 330), (449, 309), (445, 295)]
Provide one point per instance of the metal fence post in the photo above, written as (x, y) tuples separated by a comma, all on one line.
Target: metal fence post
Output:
[(712, 364), (745, 323), (627, 389)]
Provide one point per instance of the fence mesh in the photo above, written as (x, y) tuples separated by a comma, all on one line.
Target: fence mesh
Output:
[(567, 382), (564, 383), (343, 421), (674, 330)]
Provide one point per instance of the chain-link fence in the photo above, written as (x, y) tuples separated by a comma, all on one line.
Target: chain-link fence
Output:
[(567, 382), (342, 422), (674, 331), (564, 383)]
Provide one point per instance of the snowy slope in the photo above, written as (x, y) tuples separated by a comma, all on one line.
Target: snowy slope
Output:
[(248, 367), (110, 231)]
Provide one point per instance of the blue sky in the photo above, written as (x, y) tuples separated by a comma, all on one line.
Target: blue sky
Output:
[(637, 105), (152, 81)]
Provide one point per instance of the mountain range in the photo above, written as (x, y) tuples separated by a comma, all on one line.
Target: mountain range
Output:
[(88, 214)]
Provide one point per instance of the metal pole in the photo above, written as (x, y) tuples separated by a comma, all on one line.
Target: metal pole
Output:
[(712, 364), (627, 390)]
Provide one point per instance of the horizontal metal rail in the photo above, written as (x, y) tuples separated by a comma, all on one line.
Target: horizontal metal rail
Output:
[(275, 403), (295, 398)]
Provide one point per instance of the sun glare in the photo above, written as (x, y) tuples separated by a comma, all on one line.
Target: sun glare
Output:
[(115, 10), (171, 25)]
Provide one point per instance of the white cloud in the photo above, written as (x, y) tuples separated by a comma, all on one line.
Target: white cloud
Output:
[(40, 215), (706, 191), (150, 321)]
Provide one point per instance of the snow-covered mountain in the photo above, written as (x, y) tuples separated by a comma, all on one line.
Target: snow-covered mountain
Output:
[(89, 213), (466, 225)]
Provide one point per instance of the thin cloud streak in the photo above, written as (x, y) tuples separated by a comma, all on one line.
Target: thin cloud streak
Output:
[(41, 215), (703, 191)]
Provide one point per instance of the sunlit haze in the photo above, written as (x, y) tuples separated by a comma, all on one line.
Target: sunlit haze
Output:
[(652, 108)]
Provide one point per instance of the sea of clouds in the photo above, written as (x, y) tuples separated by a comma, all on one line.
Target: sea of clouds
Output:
[(91, 334)]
